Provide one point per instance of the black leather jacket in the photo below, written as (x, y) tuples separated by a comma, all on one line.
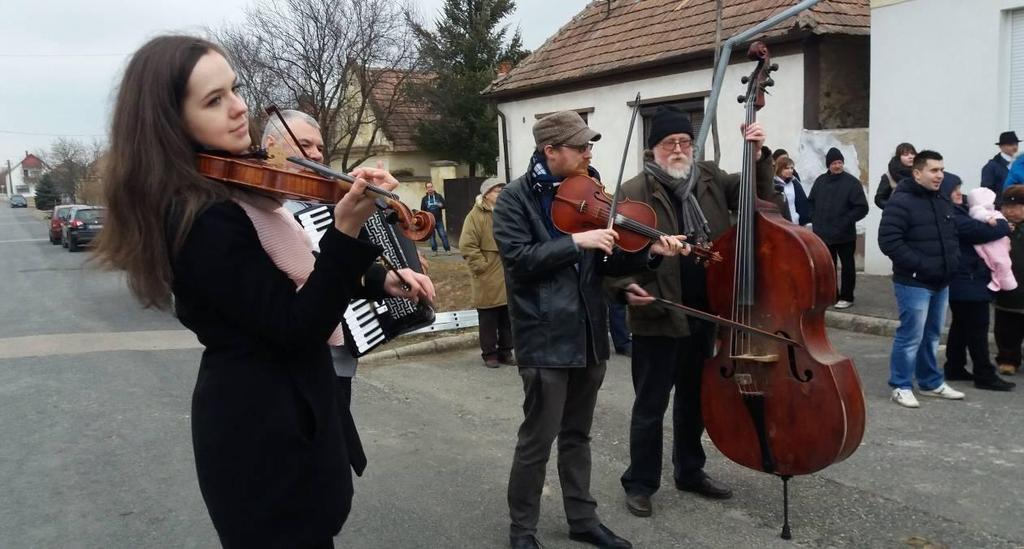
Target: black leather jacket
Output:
[(554, 289)]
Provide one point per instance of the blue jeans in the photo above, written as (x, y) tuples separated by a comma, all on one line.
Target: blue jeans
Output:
[(922, 313), (439, 230), (617, 326)]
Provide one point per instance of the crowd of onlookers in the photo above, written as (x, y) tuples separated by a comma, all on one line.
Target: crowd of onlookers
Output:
[(948, 249)]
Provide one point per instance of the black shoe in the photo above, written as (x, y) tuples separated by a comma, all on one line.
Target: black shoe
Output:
[(994, 383), (523, 542), (706, 486), (601, 536), (958, 374), (639, 505)]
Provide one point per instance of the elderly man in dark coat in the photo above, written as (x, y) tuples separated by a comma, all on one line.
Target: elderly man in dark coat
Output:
[(669, 349), (994, 172)]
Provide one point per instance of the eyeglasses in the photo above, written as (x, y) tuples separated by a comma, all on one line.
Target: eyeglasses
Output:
[(578, 148), (669, 146)]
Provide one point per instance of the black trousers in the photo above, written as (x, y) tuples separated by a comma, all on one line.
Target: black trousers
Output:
[(559, 402), (1009, 332), (968, 333), (495, 333), (848, 276), (659, 364)]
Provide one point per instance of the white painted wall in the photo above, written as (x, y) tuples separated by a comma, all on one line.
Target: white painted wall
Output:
[(939, 81), (782, 116)]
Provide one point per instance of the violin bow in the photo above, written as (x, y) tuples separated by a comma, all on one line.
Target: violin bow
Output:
[(690, 311), (273, 110), (622, 165)]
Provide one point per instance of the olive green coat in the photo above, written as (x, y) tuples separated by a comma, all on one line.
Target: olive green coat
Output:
[(481, 252)]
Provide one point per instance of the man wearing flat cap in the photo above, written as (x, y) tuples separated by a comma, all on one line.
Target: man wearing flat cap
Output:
[(669, 348), (994, 173), (559, 328)]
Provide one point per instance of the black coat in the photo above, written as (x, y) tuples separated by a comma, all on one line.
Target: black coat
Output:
[(1013, 300), (918, 234), (970, 282), (435, 209), (993, 175), (549, 300), (837, 203), (895, 173), (269, 445)]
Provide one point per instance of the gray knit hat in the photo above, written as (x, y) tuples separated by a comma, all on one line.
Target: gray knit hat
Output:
[(489, 184), (563, 128)]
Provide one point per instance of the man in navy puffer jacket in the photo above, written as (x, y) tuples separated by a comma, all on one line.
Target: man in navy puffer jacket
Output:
[(918, 234)]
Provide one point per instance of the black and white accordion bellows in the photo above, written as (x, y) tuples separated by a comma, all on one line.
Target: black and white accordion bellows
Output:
[(368, 324)]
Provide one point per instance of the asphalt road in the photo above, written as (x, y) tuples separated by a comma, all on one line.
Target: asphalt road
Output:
[(95, 449)]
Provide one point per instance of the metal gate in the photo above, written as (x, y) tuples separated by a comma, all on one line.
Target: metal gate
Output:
[(459, 194)]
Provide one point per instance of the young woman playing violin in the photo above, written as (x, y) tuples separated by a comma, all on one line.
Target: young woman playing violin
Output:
[(270, 449)]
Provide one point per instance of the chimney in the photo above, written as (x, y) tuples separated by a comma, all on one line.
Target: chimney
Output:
[(503, 68)]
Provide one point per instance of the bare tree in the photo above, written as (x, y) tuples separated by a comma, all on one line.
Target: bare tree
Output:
[(324, 57)]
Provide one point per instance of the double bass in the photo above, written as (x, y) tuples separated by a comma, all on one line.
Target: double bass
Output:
[(770, 406)]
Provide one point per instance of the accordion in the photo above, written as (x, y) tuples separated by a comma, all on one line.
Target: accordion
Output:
[(367, 323)]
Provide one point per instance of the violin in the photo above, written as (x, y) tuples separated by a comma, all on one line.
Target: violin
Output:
[(318, 184), (582, 204)]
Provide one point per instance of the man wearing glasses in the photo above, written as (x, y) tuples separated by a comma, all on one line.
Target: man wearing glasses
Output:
[(669, 348), (559, 327)]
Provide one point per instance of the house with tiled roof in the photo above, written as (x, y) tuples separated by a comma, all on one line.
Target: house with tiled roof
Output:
[(22, 177), (664, 49), (391, 129)]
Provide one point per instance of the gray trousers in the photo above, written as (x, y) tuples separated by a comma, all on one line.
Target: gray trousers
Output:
[(559, 402)]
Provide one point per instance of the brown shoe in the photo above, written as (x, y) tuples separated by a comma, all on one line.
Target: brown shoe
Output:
[(1007, 369), (639, 505)]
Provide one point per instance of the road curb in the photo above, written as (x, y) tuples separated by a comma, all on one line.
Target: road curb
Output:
[(872, 325), (439, 345)]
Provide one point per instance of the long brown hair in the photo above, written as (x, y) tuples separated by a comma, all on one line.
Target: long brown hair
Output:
[(152, 188)]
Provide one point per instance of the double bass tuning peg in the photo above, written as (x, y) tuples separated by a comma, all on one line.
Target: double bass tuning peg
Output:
[(741, 98), (773, 67), (745, 79), (769, 83)]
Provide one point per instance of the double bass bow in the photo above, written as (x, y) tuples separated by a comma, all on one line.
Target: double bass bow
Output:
[(774, 407)]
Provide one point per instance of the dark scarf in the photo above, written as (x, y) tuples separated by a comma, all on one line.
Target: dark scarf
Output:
[(897, 171), (695, 225), (544, 186)]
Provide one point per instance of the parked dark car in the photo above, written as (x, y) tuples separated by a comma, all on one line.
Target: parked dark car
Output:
[(58, 219), (18, 201), (84, 223)]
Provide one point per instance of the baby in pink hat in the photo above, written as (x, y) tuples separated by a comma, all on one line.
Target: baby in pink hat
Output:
[(995, 254)]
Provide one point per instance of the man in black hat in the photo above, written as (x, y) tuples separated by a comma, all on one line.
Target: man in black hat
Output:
[(559, 328), (837, 203), (669, 348), (994, 173)]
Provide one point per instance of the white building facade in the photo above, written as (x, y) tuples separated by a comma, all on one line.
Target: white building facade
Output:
[(946, 75)]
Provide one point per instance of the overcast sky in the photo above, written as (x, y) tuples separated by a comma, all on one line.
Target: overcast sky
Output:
[(60, 59)]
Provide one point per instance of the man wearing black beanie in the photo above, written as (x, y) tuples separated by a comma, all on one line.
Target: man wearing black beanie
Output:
[(837, 203), (669, 349)]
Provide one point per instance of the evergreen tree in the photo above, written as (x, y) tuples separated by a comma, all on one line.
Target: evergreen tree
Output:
[(463, 55), (47, 194)]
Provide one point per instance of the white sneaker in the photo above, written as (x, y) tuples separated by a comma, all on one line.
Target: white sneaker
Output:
[(905, 398), (843, 304), (944, 391)]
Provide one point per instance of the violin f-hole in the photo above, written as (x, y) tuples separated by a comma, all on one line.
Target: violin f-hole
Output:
[(793, 370)]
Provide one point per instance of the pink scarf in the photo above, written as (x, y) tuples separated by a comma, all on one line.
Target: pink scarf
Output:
[(285, 242)]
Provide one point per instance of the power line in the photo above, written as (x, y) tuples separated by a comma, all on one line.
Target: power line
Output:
[(12, 132), (63, 54)]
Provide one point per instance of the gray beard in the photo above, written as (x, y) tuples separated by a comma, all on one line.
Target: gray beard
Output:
[(679, 173)]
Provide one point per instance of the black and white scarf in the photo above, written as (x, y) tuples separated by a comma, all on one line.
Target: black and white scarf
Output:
[(695, 225)]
